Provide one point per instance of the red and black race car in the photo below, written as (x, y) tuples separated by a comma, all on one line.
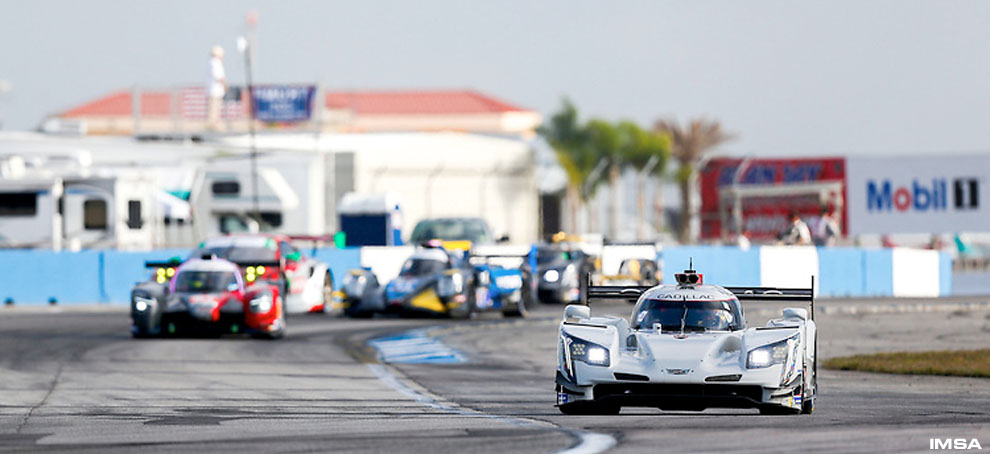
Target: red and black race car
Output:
[(207, 295)]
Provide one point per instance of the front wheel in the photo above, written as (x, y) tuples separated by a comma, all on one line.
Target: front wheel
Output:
[(327, 292), (518, 310), (589, 408)]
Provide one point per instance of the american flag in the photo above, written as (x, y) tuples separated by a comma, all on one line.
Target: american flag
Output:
[(193, 104)]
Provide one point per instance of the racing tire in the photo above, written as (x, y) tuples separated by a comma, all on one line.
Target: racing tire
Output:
[(327, 292), (140, 335), (273, 335), (778, 410), (808, 399), (519, 310), (589, 409), (466, 312)]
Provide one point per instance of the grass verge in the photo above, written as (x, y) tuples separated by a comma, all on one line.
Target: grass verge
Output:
[(961, 363)]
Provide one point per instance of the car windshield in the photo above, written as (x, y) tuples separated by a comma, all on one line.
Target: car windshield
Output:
[(239, 253), (190, 281), (692, 315), (473, 230), (545, 256), (421, 267)]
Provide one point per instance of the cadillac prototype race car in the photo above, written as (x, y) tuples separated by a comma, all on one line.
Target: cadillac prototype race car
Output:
[(436, 280), (206, 296), (687, 347)]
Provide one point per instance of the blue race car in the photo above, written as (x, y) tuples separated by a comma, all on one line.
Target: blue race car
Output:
[(438, 280)]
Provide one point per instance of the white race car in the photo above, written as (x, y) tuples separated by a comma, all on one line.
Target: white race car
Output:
[(687, 347)]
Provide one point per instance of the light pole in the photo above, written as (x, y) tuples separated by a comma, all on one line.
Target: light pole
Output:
[(244, 45)]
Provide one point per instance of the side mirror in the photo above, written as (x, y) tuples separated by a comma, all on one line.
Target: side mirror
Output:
[(503, 239), (574, 312)]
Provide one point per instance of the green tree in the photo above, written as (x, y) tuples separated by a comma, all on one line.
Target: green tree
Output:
[(689, 144), (569, 139), (604, 140)]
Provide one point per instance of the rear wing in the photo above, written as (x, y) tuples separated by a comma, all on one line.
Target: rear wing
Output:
[(167, 264), (614, 292), (805, 295), (633, 292)]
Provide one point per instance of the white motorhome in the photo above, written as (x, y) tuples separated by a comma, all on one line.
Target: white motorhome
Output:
[(77, 211), (296, 193)]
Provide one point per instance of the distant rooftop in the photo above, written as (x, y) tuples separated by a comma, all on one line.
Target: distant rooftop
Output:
[(183, 110), (422, 102)]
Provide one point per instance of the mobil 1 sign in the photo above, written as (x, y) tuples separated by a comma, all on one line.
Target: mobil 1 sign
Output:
[(918, 194)]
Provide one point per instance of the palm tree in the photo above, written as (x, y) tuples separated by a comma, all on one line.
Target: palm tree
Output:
[(648, 153), (569, 139), (604, 140), (690, 143)]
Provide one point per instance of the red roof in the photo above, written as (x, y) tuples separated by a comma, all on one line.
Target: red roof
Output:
[(119, 103), (435, 102), (417, 102)]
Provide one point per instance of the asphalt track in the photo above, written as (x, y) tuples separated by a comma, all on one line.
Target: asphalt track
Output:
[(72, 380)]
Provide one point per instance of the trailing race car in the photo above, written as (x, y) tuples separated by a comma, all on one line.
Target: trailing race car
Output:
[(437, 281), (687, 347), (207, 295), (638, 272), (306, 284), (558, 270)]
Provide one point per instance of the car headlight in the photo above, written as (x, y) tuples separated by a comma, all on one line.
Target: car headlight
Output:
[(768, 355), (589, 352), (354, 284), (142, 303), (551, 276), (261, 304)]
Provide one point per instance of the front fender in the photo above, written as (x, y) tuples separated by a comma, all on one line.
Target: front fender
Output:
[(147, 305), (261, 321)]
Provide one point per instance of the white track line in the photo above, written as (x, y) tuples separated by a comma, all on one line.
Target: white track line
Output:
[(588, 442)]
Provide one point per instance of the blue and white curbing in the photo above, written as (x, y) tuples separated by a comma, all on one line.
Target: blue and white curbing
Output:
[(415, 347)]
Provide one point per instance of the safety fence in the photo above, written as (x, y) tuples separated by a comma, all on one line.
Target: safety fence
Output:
[(107, 276)]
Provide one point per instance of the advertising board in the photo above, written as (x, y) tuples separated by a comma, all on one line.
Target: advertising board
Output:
[(769, 189), (935, 194)]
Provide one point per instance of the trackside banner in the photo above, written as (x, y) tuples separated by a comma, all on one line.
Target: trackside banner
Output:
[(282, 103), (918, 194)]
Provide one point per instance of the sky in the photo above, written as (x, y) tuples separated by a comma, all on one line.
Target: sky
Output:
[(787, 77)]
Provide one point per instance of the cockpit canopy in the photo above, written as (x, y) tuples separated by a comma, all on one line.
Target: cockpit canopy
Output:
[(205, 281), (675, 315)]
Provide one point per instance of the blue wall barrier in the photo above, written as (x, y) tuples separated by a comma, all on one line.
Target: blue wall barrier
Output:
[(35, 276), (840, 272), (723, 265)]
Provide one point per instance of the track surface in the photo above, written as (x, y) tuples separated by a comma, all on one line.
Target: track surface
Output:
[(74, 381)]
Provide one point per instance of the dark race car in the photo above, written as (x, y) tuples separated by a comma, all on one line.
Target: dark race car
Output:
[(207, 296), (559, 267)]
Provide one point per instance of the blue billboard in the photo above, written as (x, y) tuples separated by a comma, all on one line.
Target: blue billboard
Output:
[(282, 103)]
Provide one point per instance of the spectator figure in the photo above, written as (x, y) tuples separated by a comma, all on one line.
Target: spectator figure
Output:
[(797, 232), (216, 89), (827, 230), (742, 240)]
